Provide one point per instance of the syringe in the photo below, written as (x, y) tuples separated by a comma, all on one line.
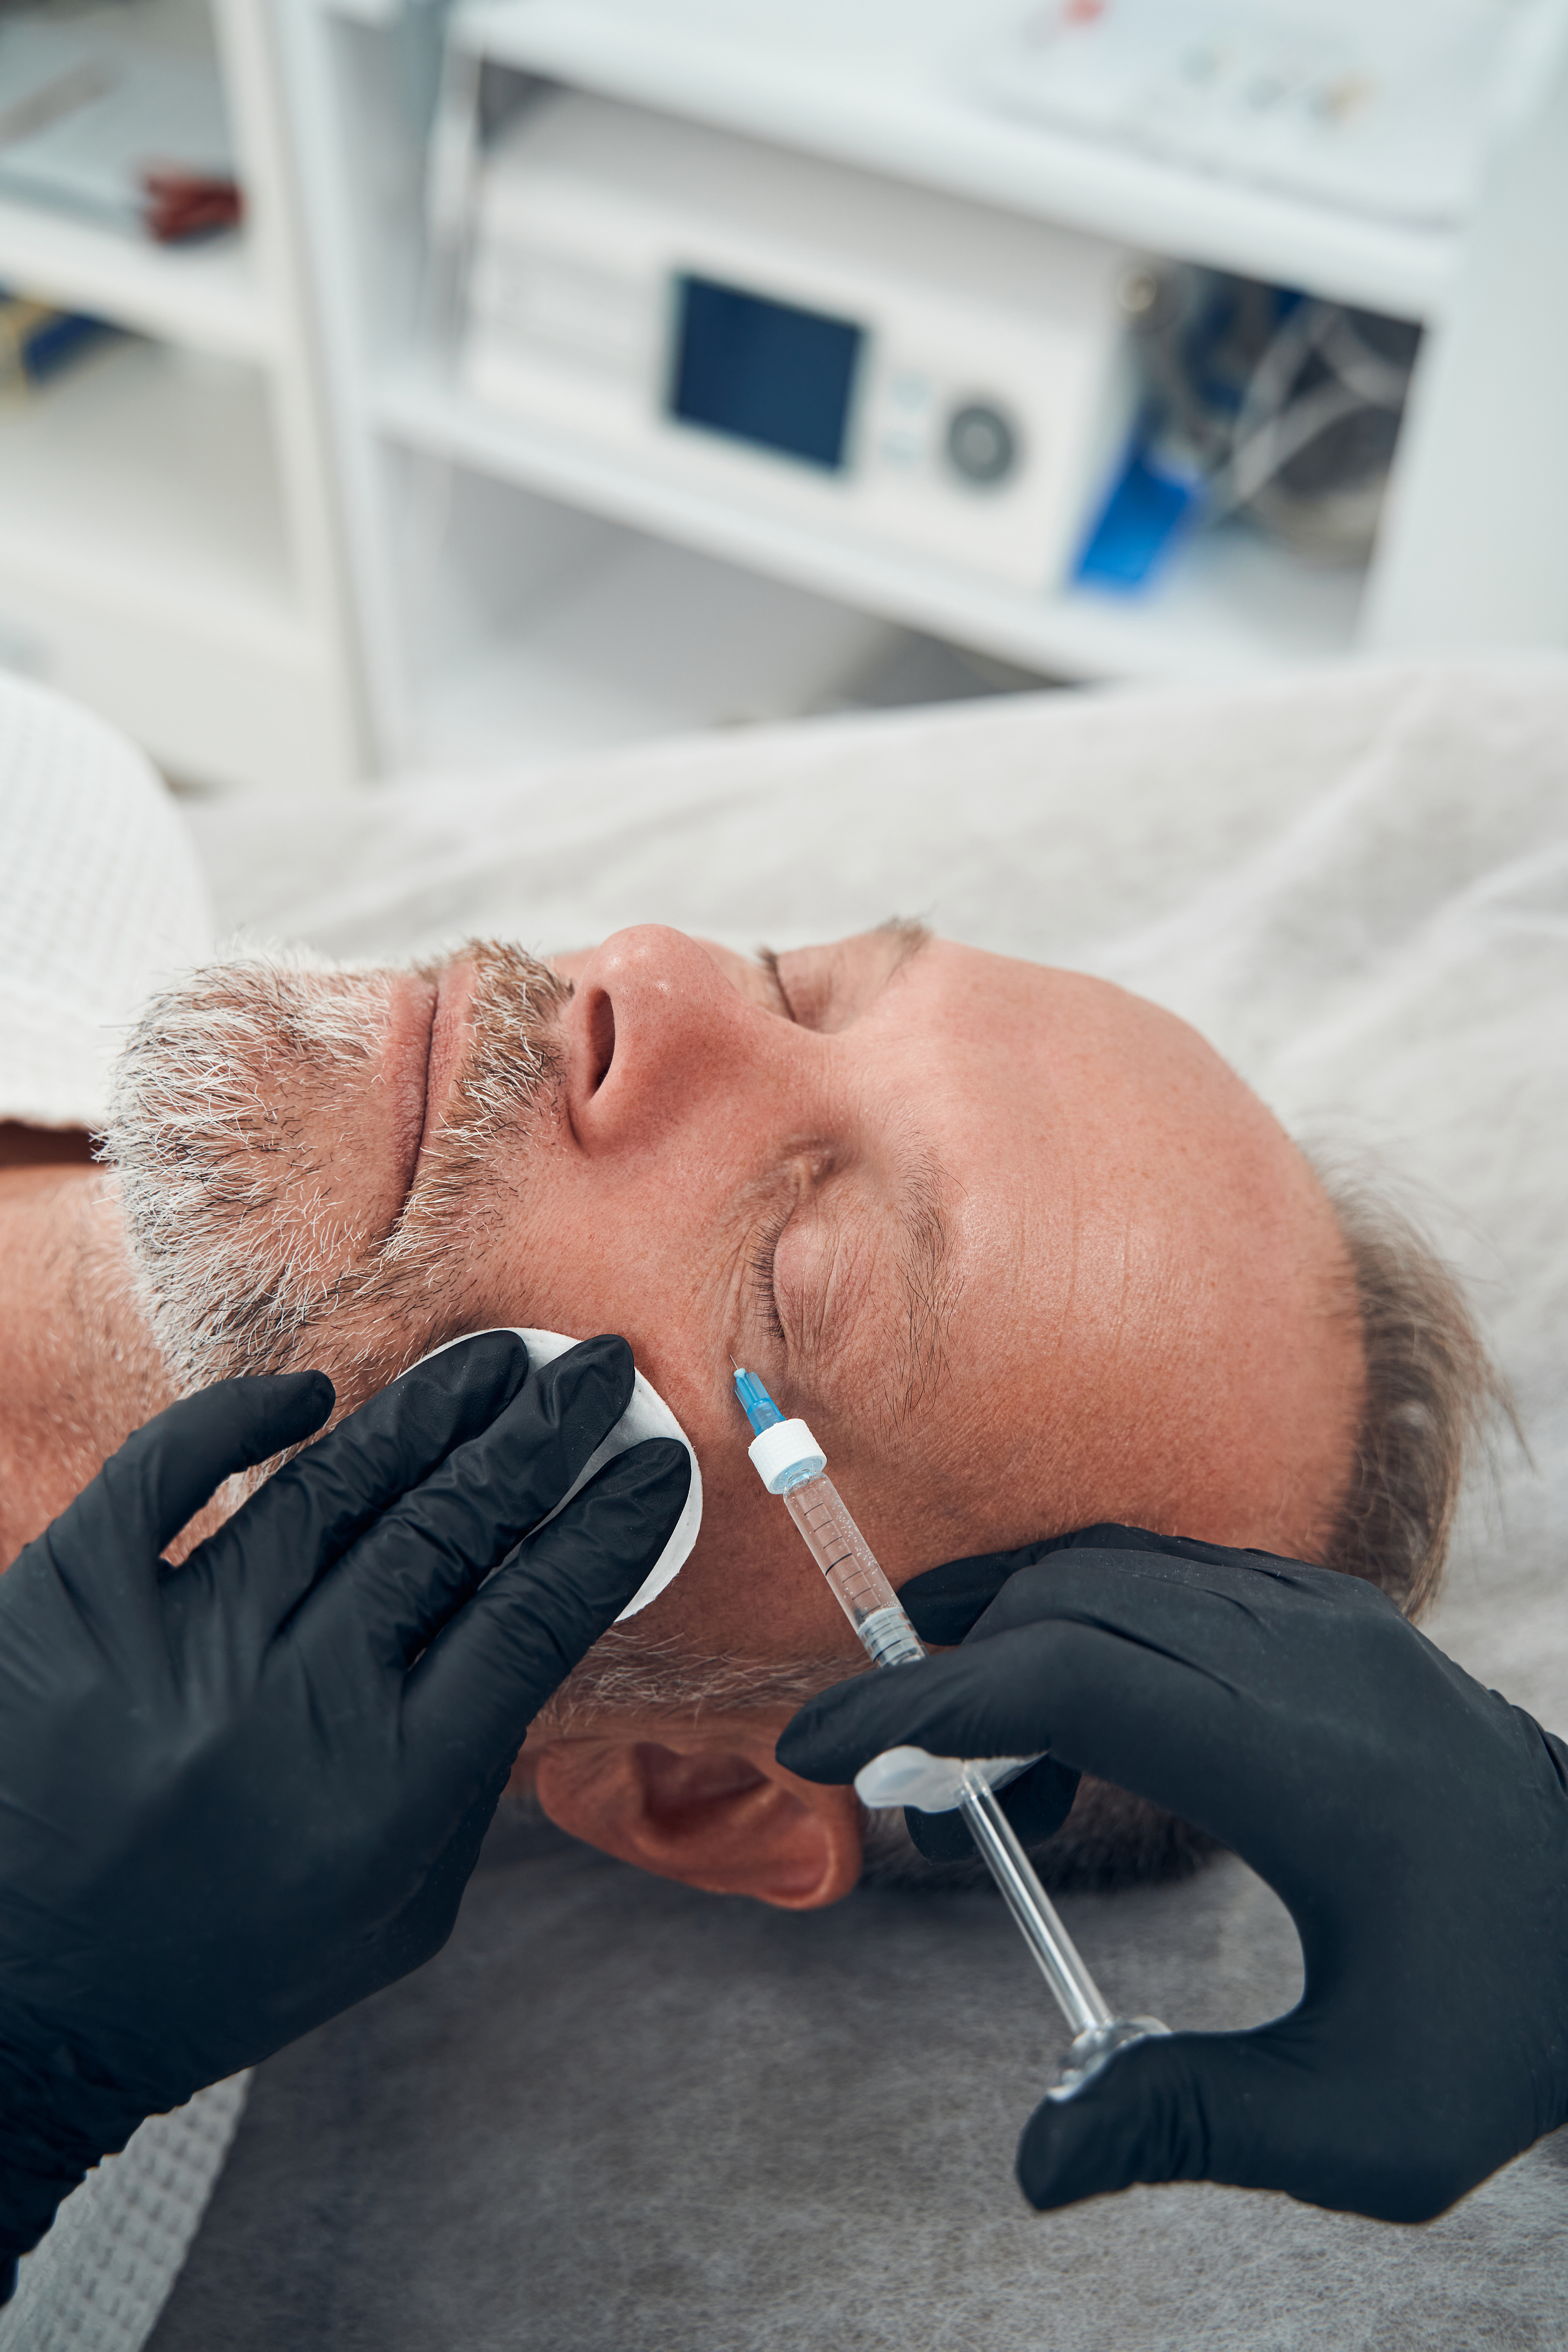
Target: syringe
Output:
[(792, 1465)]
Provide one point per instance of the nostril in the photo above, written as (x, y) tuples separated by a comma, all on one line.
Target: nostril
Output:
[(600, 1040)]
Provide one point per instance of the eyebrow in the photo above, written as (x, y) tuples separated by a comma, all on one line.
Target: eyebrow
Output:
[(909, 936)]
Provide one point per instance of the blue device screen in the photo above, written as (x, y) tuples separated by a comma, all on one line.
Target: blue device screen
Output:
[(764, 372)]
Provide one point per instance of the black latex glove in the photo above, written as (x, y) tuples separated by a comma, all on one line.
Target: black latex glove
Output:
[(238, 1795), (1415, 1825)]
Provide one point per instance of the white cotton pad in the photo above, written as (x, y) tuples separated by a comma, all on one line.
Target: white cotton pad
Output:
[(647, 1415)]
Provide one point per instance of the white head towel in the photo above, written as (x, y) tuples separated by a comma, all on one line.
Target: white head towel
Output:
[(101, 898)]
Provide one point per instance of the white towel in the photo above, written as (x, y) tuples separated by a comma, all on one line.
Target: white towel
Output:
[(100, 896), (99, 2280)]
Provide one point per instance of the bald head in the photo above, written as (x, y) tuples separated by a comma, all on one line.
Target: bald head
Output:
[(1210, 1351)]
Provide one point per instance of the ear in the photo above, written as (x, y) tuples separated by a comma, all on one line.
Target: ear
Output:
[(715, 1809)]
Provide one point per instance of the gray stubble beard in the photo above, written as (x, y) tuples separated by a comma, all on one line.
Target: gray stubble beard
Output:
[(242, 1261)]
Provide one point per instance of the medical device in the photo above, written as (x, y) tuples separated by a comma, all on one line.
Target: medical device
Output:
[(790, 1463), (1257, 401), (889, 365)]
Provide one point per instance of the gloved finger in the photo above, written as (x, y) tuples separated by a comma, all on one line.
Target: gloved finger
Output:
[(316, 1507), (986, 1699), (163, 1474), (947, 1603), (470, 1699), (1162, 1724), (944, 1602), (990, 1594), (1036, 1803), (1180, 2107), (1107, 1658), (427, 1554), (1258, 2110)]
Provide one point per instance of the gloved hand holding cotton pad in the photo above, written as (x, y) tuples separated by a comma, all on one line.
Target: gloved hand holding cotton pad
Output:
[(280, 1760), (647, 1416)]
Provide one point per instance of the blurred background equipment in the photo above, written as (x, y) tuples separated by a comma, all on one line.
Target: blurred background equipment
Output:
[(584, 372), (882, 365), (170, 545), (1257, 401), (124, 131), (36, 341)]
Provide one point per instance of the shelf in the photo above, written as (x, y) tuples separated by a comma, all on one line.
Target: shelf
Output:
[(638, 640), (201, 296), (206, 295), (881, 84), (1231, 605), (143, 482)]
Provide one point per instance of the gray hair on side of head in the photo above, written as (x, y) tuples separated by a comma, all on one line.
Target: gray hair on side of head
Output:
[(1434, 1402)]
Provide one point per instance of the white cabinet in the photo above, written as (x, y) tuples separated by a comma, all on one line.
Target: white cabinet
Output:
[(279, 539), (169, 551), (497, 560)]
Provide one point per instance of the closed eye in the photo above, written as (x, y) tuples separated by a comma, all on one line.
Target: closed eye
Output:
[(760, 1263)]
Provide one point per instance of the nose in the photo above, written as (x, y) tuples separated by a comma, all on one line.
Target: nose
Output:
[(654, 1033)]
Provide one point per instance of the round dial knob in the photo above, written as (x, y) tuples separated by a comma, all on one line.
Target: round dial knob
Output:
[(982, 445)]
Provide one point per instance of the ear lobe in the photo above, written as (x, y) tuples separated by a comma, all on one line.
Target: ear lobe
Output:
[(728, 1819)]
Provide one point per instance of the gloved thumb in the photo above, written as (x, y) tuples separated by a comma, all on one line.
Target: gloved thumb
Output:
[(1179, 2106)]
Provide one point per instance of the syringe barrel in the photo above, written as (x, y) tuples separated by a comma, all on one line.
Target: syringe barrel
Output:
[(846, 1560)]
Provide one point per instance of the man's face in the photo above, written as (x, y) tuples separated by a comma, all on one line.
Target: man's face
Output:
[(1019, 1248)]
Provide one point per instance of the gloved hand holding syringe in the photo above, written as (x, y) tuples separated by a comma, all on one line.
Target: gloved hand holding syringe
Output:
[(792, 1466)]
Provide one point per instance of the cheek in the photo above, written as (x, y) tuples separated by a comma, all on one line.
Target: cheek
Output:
[(613, 1245), (552, 1251), (750, 1588)]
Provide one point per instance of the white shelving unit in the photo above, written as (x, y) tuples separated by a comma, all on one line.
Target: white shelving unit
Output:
[(169, 551), (486, 553), (883, 84), (1234, 603)]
